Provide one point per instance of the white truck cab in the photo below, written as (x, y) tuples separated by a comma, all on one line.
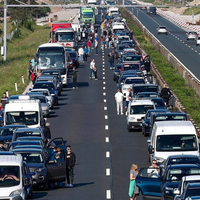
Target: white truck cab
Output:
[(24, 111), (136, 111), (172, 138), (12, 186)]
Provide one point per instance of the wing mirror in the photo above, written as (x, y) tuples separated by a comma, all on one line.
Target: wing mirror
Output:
[(176, 191), (150, 149), (27, 181)]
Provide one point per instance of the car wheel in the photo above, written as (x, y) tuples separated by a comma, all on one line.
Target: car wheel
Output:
[(196, 44), (46, 185), (128, 128)]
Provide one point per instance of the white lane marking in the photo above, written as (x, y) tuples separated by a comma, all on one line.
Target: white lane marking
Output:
[(104, 63), (103, 77), (104, 88), (105, 108), (108, 172), (108, 195), (107, 154), (103, 69), (104, 82), (104, 94), (107, 139), (103, 72), (106, 116), (104, 100), (106, 127)]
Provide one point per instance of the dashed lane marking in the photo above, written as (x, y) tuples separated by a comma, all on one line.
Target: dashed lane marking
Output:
[(104, 94), (104, 101), (108, 194), (104, 82), (107, 154), (108, 172), (106, 116), (105, 108), (106, 127), (107, 139)]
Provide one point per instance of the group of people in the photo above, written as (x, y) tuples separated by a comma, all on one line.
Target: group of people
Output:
[(33, 74)]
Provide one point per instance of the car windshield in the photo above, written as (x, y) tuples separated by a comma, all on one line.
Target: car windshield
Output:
[(170, 117), (49, 86), (13, 176), (88, 15), (192, 192), (134, 81), (131, 67), (140, 109), (132, 58), (32, 157), (186, 160), (158, 103), (22, 117), (42, 99), (64, 37), (73, 55), (138, 89), (177, 173), (6, 131), (176, 143), (27, 133)]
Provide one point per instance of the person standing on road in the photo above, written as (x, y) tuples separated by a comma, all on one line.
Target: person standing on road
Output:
[(3, 100), (89, 46), (85, 53), (92, 66), (119, 97), (80, 53), (133, 189), (95, 72), (165, 94), (30, 69), (111, 59), (46, 131), (128, 98), (74, 77), (70, 163)]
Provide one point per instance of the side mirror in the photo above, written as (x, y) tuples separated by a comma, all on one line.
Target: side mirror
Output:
[(27, 181), (176, 191), (32, 173), (150, 149), (148, 141)]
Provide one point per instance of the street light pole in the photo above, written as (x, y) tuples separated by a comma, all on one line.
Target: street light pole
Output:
[(5, 30)]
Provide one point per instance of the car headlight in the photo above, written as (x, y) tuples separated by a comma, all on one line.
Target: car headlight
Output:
[(132, 118), (46, 107), (39, 169), (16, 192), (169, 188)]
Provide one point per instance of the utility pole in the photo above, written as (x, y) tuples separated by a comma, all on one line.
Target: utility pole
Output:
[(5, 30)]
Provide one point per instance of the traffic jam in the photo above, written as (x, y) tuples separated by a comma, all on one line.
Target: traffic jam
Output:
[(32, 160)]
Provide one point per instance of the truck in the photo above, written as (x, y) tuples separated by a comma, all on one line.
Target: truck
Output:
[(64, 34), (24, 111), (92, 1), (16, 184), (52, 56), (87, 16)]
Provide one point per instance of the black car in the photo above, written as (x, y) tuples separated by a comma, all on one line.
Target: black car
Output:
[(163, 185), (145, 88), (151, 10), (50, 86), (74, 57), (146, 121), (120, 49), (6, 133), (46, 170)]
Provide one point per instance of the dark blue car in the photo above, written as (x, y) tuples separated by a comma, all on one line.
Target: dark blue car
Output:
[(163, 185)]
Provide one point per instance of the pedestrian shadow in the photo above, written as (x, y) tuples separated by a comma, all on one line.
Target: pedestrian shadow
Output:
[(82, 184), (62, 99), (80, 84), (38, 194)]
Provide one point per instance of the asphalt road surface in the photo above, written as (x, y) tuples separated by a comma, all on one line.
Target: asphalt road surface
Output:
[(86, 117)]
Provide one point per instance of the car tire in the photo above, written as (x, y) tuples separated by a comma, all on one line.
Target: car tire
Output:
[(46, 185), (196, 44), (128, 128)]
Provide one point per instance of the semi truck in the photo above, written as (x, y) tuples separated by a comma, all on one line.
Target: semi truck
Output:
[(87, 15), (63, 33)]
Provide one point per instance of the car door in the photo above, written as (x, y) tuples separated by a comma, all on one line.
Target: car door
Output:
[(149, 186), (57, 169), (59, 143)]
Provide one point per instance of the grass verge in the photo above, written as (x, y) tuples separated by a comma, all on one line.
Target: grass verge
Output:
[(188, 97)]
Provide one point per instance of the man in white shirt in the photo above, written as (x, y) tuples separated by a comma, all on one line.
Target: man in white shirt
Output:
[(92, 66), (153, 171), (119, 101), (80, 53)]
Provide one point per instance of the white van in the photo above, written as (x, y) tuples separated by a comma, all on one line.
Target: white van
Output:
[(24, 111), (136, 111), (13, 189), (172, 138), (118, 27)]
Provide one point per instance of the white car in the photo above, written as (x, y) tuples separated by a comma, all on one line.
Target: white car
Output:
[(134, 2), (198, 40), (191, 35), (162, 30)]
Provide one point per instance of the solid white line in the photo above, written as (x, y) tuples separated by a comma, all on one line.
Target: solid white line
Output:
[(106, 116), (107, 154), (108, 196), (107, 139), (104, 82), (108, 172), (104, 100), (104, 94), (104, 88), (106, 127), (105, 108)]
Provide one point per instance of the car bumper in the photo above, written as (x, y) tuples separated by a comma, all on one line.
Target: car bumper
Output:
[(135, 125), (39, 180), (45, 112), (16, 197)]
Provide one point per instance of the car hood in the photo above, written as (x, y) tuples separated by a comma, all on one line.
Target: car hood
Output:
[(33, 166), (172, 184), (6, 138)]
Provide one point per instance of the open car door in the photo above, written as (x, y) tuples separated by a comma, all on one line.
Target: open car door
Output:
[(58, 142), (149, 183)]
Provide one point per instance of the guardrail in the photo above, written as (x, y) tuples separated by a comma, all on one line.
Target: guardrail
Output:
[(186, 74)]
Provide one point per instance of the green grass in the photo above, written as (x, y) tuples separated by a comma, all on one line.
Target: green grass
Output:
[(188, 97), (188, 11), (20, 51), (9, 27)]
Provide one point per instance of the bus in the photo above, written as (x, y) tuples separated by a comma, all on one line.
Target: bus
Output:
[(52, 56), (87, 16)]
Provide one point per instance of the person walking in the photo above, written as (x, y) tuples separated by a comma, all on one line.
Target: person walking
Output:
[(3, 100), (85, 53), (80, 53), (96, 46), (119, 97), (92, 65), (30, 69), (70, 163), (133, 189), (89, 46), (95, 72), (111, 59), (101, 40), (46, 131), (74, 77), (165, 94)]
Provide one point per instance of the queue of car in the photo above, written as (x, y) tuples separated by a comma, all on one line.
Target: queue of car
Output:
[(173, 141)]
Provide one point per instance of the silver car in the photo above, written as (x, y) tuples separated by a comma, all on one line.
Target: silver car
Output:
[(47, 94)]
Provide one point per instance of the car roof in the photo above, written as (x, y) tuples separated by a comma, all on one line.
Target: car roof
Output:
[(36, 94), (191, 177), (170, 114), (176, 166), (26, 142), (12, 126), (27, 150), (182, 156), (28, 129)]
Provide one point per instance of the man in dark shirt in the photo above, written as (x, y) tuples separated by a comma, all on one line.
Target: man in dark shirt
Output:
[(70, 163), (46, 131), (2, 148), (3, 99), (165, 94)]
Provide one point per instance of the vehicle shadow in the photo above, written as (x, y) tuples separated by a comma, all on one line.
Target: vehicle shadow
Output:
[(38, 194), (80, 84)]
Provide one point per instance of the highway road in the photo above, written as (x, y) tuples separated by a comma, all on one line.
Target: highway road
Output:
[(185, 50), (86, 117)]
